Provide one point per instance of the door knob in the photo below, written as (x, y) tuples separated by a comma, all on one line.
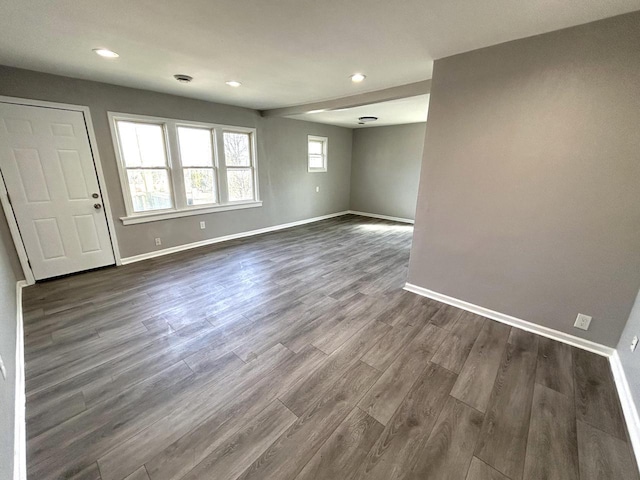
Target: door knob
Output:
[(95, 195), (97, 206)]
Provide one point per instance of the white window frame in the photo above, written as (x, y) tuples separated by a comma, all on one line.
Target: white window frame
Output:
[(214, 164), (325, 152), (252, 160), (175, 169)]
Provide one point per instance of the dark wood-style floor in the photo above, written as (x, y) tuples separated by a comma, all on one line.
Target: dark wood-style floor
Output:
[(297, 355)]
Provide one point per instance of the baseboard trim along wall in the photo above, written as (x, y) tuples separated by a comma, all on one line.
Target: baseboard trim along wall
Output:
[(20, 429), (383, 217), (622, 385), (513, 321), (226, 238), (629, 408)]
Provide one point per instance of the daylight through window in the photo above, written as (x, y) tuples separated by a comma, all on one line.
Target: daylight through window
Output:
[(317, 153), (173, 166)]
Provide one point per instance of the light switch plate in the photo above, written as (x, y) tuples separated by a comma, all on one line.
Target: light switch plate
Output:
[(634, 343), (582, 321), (3, 369)]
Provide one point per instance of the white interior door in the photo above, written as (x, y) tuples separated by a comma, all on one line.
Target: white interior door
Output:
[(48, 169)]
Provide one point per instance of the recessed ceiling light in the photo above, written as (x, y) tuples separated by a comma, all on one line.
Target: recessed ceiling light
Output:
[(362, 120), (233, 83), (358, 77), (104, 52), (182, 78)]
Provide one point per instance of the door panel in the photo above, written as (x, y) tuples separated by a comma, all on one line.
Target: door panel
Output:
[(47, 166), (49, 238), (87, 233), (31, 174)]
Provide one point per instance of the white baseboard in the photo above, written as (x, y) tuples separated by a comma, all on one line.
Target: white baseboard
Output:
[(628, 406), (20, 430), (383, 217), (226, 238), (514, 322)]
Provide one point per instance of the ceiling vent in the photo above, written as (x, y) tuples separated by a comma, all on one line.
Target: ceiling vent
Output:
[(183, 78)]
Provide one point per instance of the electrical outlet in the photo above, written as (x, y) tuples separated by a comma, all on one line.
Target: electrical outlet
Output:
[(3, 369), (317, 189), (158, 242), (634, 343), (202, 225), (582, 321)]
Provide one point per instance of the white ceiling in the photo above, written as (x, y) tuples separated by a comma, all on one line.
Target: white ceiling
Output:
[(394, 112), (285, 52)]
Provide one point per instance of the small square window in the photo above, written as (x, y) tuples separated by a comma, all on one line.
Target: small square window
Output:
[(317, 148)]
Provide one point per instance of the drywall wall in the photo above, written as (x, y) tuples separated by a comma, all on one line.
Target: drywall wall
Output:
[(385, 169), (631, 360), (7, 239), (8, 352), (286, 188), (529, 199)]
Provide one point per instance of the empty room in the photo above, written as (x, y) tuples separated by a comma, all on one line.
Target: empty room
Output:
[(299, 240)]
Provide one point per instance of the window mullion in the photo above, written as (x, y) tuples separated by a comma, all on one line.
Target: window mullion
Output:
[(175, 167), (222, 167), (215, 150)]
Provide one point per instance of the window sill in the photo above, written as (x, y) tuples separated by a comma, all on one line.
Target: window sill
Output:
[(154, 217)]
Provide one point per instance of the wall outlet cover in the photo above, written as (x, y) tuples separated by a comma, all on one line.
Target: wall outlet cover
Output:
[(582, 321), (317, 189), (202, 225), (158, 242)]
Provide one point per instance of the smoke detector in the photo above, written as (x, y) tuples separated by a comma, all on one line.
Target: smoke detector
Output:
[(183, 78), (363, 120)]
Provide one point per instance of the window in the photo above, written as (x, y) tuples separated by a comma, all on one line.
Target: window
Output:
[(170, 168), (145, 159), (317, 153), (198, 168), (239, 162)]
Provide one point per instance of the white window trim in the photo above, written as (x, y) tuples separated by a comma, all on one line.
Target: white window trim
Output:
[(253, 162), (325, 152), (214, 165), (180, 207)]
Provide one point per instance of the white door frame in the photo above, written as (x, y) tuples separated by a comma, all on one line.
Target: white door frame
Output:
[(4, 198)]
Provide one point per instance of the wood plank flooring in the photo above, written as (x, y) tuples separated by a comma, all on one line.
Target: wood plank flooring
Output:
[(296, 355)]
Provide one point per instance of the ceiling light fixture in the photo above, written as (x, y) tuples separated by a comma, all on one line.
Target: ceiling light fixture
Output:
[(104, 52), (358, 77), (233, 83), (363, 120), (182, 78)]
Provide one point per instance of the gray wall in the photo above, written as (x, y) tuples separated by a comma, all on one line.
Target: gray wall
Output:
[(631, 360), (7, 239), (287, 190), (529, 200), (385, 169), (8, 352)]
